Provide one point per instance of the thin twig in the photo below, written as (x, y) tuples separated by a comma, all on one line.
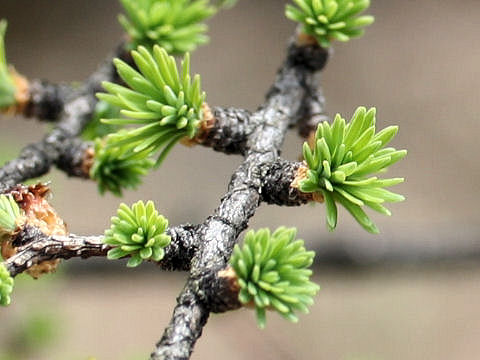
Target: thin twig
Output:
[(36, 247)]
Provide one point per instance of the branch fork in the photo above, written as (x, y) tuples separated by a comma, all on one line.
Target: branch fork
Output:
[(203, 249)]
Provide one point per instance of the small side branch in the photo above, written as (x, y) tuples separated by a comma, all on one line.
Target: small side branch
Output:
[(36, 159), (33, 247), (39, 247), (230, 130), (58, 147), (277, 184), (46, 101)]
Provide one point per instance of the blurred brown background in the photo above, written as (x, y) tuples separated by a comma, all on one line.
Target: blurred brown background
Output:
[(418, 64)]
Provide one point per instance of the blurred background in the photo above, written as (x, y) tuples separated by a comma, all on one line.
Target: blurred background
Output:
[(411, 292)]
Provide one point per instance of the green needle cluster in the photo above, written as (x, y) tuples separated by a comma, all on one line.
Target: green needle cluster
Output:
[(167, 106), (341, 162), (9, 213), (7, 86), (176, 25), (6, 286), (96, 128), (138, 232), (117, 168), (328, 20), (272, 271)]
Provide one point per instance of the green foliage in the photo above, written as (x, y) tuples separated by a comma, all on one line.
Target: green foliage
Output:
[(7, 86), (6, 286), (138, 232), (9, 213), (37, 331), (117, 168), (96, 128), (175, 25), (343, 158), (31, 331), (328, 20), (272, 271), (225, 3), (167, 105)]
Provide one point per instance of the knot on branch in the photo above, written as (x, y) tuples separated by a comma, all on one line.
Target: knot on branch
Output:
[(40, 218), (230, 131), (182, 248), (277, 184), (312, 57), (72, 160), (46, 100), (218, 290)]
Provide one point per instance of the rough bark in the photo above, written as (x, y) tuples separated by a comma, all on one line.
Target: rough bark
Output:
[(59, 146), (34, 247), (47, 100), (219, 233)]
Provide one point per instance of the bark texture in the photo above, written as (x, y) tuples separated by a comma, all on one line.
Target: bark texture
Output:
[(61, 147), (47, 100), (218, 235), (33, 247)]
